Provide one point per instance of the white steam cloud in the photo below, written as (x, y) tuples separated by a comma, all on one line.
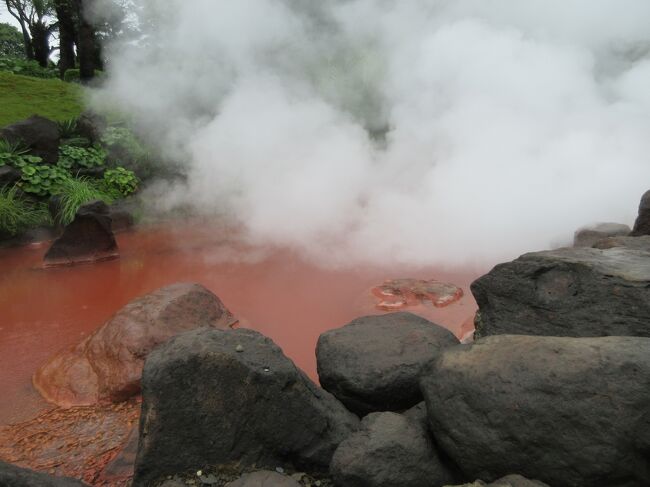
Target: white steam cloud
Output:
[(409, 131)]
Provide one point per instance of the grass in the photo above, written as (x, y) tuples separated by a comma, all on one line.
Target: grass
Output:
[(23, 96), (17, 214), (77, 192)]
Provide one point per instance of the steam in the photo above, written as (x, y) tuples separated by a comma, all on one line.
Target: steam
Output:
[(404, 131)]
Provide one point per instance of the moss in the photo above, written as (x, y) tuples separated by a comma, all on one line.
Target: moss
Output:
[(23, 96)]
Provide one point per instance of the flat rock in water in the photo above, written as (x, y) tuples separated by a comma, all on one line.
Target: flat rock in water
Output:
[(264, 479), (567, 411), (206, 404), (89, 238), (396, 294), (107, 365), (13, 476), (374, 363), (577, 292), (389, 450), (589, 235)]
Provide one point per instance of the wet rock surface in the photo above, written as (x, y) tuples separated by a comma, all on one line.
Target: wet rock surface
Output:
[(89, 238), (13, 476), (508, 481), (567, 292), (37, 133), (632, 243), (107, 365), (589, 235), (212, 397), (642, 223), (395, 294), (389, 450), (374, 363), (264, 479), (567, 411)]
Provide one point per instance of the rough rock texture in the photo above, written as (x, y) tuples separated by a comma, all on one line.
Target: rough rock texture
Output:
[(632, 243), (9, 176), (107, 365), (588, 236), (12, 476), (91, 126), (572, 412), (374, 363), (88, 238), (395, 294), (39, 134), (642, 223), (508, 481), (264, 479), (390, 450), (567, 292), (212, 397)]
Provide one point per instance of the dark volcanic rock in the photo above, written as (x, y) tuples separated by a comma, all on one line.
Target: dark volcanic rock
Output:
[(12, 476), (374, 363), (642, 223), (264, 479), (9, 176), (107, 365), (572, 412), (588, 236), (88, 238), (508, 481), (39, 134), (91, 126), (567, 292), (632, 243), (389, 451), (213, 397)]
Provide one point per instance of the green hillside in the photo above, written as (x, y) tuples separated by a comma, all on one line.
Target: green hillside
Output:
[(22, 96)]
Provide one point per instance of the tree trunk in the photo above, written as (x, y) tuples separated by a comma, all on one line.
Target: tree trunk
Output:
[(41, 43), (67, 35), (85, 45)]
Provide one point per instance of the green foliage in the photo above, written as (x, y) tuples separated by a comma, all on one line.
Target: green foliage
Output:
[(68, 128), (121, 181), (18, 214), (11, 42), (22, 96), (26, 68), (72, 157), (12, 148), (75, 192), (126, 150), (71, 76), (42, 180)]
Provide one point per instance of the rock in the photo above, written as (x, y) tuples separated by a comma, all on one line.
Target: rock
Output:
[(374, 363), (13, 476), (264, 479), (91, 126), (9, 176), (588, 236), (642, 223), (632, 243), (399, 293), (568, 411), (89, 238), (508, 481), (107, 365), (388, 451), (204, 403), (121, 213), (567, 292), (39, 134)]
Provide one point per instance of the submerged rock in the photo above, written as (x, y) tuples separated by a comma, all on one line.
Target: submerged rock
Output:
[(37, 133), (389, 450), (568, 411), (399, 293), (374, 363), (642, 223), (264, 479), (13, 476), (107, 365), (89, 238), (567, 292), (205, 404), (588, 236)]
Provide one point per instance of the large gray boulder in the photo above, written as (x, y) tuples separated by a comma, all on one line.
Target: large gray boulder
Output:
[(589, 235), (571, 412), (632, 243), (213, 397), (374, 363), (389, 450), (567, 292), (13, 476), (37, 133), (642, 223)]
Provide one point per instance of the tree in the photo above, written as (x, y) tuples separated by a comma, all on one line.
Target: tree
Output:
[(34, 19), (67, 22), (11, 42)]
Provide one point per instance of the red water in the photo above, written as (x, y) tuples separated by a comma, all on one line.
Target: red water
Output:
[(272, 291)]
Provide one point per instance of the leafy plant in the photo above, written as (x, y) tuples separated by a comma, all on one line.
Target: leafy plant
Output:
[(72, 157), (68, 128), (72, 75), (18, 214), (75, 192), (121, 181), (42, 180), (26, 68)]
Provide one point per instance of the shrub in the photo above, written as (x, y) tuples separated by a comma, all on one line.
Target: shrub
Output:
[(75, 192), (42, 180), (120, 181), (68, 128), (18, 214), (27, 68), (71, 76), (72, 157)]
